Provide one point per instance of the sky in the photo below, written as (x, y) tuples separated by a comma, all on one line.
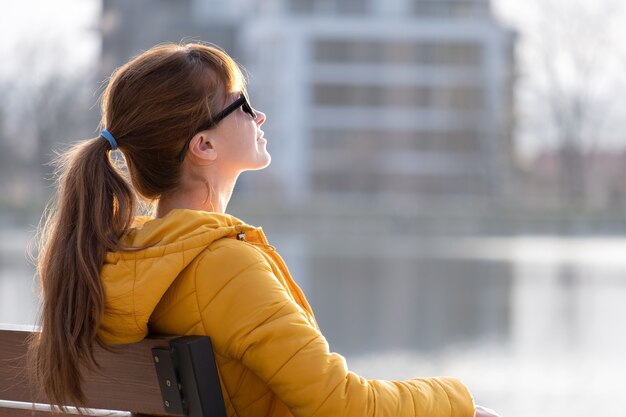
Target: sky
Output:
[(65, 28), (64, 32)]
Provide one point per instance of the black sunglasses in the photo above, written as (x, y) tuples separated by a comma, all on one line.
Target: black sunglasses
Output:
[(242, 102)]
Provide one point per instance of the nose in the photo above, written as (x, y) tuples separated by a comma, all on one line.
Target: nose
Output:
[(260, 117)]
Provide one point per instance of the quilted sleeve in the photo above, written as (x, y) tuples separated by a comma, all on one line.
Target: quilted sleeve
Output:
[(251, 318)]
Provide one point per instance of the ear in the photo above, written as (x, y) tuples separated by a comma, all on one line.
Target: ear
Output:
[(202, 148)]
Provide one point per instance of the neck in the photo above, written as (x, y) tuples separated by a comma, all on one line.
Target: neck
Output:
[(199, 194)]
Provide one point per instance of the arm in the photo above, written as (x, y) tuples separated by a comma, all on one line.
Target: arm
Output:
[(253, 319)]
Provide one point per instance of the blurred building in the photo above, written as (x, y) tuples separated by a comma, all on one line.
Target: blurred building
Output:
[(382, 115), (403, 99), (130, 27), (408, 100)]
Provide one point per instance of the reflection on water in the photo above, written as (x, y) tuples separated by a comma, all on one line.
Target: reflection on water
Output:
[(562, 354), (566, 383), (18, 291), (374, 304), (532, 324)]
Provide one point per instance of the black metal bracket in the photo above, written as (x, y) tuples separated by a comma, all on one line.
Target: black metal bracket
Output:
[(188, 378), (168, 381)]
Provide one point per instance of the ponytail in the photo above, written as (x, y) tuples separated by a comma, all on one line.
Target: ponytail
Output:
[(94, 209), (152, 105)]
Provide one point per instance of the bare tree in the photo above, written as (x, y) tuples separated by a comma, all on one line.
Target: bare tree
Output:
[(46, 108), (571, 66), (575, 58)]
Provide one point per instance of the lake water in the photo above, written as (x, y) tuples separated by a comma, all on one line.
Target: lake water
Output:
[(533, 324), (561, 352)]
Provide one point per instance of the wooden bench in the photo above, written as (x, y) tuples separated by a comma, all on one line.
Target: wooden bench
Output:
[(171, 376)]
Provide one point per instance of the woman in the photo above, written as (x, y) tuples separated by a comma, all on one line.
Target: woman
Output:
[(180, 116)]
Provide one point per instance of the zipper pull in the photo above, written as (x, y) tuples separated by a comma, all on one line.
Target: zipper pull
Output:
[(241, 236)]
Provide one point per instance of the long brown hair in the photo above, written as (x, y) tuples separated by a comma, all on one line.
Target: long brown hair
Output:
[(151, 105)]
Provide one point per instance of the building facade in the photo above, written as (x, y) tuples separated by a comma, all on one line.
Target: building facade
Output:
[(403, 99), (382, 115)]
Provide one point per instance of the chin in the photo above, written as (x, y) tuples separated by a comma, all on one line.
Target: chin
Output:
[(263, 162), (267, 161)]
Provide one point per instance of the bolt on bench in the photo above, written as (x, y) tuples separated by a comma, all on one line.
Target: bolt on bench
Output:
[(161, 375)]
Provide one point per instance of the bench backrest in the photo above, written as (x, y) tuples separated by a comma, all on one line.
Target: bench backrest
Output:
[(159, 375)]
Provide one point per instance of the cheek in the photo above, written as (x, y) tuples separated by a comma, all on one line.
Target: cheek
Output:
[(242, 145), (239, 140)]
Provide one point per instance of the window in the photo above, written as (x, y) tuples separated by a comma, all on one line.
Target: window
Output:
[(451, 8), (454, 98), (458, 141), (326, 6), (434, 53)]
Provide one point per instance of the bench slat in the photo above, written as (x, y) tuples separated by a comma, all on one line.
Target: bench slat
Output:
[(13, 409), (21, 412), (128, 381)]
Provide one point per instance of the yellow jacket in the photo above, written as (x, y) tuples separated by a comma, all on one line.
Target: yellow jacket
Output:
[(210, 274)]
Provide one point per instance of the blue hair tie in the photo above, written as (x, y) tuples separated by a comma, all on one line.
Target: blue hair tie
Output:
[(108, 136)]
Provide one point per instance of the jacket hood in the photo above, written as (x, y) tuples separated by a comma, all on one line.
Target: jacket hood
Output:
[(135, 280)]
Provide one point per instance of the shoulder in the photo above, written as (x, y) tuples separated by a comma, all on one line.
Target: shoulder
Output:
[(233, 249), (230, 276), (226, 258)]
